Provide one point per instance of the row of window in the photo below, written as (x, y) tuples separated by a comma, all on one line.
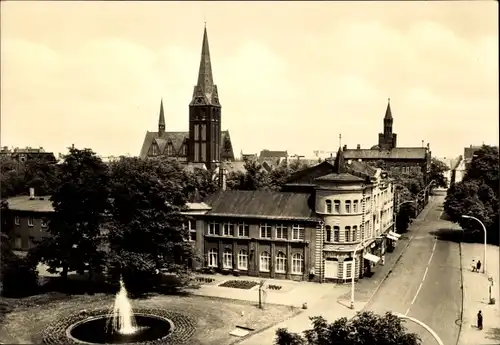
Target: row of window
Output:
[(349, 207), (31, 222), (264, 261), (281, 231), (350, 233)]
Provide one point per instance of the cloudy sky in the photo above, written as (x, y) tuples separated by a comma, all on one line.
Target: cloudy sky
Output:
[(291, 75)]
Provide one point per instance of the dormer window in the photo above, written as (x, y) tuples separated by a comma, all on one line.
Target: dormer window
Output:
[(328, 206)]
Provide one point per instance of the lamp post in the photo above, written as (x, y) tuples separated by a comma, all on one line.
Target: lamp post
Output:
[(427, 328), (353, 271), (484, 231)]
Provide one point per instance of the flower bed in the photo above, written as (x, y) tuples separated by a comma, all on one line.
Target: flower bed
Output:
[(239, 284), (274, 287), (205, 280)]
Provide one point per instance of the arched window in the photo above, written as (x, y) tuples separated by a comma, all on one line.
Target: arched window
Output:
[(212, 257), (154, 150), (297, 264), (328, 206), (328, 233), (242, 260), (355, 206), (281, 263), (337, 206), (336, 234), (227, 258), (354, 233), (348, 206), (347, 234), (265, 261)]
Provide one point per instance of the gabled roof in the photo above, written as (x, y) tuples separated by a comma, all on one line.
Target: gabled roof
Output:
[(395, 153), (363, 167), (261, 204), (24, 203)]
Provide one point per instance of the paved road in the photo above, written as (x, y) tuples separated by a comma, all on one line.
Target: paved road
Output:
[(425, 283)]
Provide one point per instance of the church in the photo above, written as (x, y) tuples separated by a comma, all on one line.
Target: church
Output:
[(205, 143)]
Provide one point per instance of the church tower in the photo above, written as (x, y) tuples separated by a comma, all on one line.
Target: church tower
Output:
[(205, 115), (387, 140)]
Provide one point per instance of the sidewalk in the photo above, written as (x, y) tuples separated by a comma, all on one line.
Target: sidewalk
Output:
[(475, 288)]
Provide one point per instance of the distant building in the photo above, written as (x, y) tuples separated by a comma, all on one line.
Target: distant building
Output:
[(461, 164), (23, 155), (205, 142)]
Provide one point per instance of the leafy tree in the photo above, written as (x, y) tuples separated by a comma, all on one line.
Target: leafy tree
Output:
[(80, 203), (484, 167), (11, 177), (199, 184), (364, 328), (146, 231), (438, 169), (254, 178), (279, 175)]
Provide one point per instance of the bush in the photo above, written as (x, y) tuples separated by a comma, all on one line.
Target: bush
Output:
[(239, 284), (274, 287), (19, 278)]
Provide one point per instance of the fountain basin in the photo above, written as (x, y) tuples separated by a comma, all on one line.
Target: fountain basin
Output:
[(93, 330)]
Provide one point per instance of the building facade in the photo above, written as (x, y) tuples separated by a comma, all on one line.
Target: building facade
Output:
[(205, 142)]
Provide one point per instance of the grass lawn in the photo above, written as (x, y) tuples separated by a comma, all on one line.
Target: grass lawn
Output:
[(23, 320)]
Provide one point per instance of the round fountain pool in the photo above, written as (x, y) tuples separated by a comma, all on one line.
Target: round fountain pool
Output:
[(94, 331)]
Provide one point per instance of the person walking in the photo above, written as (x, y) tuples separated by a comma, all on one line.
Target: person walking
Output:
[(480, 320), (478, 266)]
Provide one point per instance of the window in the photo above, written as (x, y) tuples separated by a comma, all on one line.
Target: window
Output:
[(242, 260), (337, 206), (154, 149), (328, 206), (328, 233), (265, 260), (297, 264), (348, 206), (281, 263), (265, 231), (243, 230), (354, 233), (347, 233), (297, 232), (18, 244), (191, 226), (44, 224), (170, 149), (17, 221), (281, 231), (336, 234), (212, 257), (228, 229), (227, 259), (31, 221), (355, 206), (213, 228), (196, 132), (347, 268)]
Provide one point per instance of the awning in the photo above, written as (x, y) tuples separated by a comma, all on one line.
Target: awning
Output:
[(371, 257), (393, 234), (391, 237)]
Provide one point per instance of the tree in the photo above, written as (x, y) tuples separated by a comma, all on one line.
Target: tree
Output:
[(199, 183), (146, 231), (364, 328), (438, 168), (280, 175), (254, 177), (80, 203)]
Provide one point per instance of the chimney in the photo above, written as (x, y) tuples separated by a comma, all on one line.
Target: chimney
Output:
[(32, 193), (422, 143), (222, 178), (345, 148), (358, 147)]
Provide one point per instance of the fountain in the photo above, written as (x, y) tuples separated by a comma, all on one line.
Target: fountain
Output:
[(122, 319)]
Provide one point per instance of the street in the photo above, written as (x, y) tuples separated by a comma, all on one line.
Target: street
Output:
[(425, 283)]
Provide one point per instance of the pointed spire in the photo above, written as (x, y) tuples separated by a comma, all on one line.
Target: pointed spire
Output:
[(388, 112), (339, 164), (161, 120)]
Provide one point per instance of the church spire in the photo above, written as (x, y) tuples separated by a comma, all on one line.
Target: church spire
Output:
[(339, 164), (205, 92), (161, 120), (388, 112)]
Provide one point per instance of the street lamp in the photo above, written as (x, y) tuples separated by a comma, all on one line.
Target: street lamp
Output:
[(353, 271), (484, 230), (427, 328)]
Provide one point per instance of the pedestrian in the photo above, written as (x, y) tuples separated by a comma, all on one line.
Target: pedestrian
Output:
[(473, 265), (383, 260), (480, 320), (478, 266)]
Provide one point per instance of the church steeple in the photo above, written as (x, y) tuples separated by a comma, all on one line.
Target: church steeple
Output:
[(388, 112), (205, 91), (387, 139), (161, 120)]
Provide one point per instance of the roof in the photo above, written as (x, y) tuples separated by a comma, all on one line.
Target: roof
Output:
[(395, 153), (469, 151), (363, 167), (24, 203), (261, 204), (342, 177), (273, 154), (197, 206)]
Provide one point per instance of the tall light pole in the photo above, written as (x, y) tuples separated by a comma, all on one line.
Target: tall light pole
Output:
[(427, 328), (485, 237), (353, 271)]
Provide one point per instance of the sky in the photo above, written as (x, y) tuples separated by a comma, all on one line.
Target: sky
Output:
[(291, 75)]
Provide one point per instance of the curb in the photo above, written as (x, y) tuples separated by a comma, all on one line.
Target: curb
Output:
[(462, 289)]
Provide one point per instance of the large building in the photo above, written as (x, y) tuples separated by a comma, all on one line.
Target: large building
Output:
[(309, 231), (205, 142), (399, 159), (23, 155)]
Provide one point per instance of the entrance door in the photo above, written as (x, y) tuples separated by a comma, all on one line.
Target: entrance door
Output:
[(331, 268)]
